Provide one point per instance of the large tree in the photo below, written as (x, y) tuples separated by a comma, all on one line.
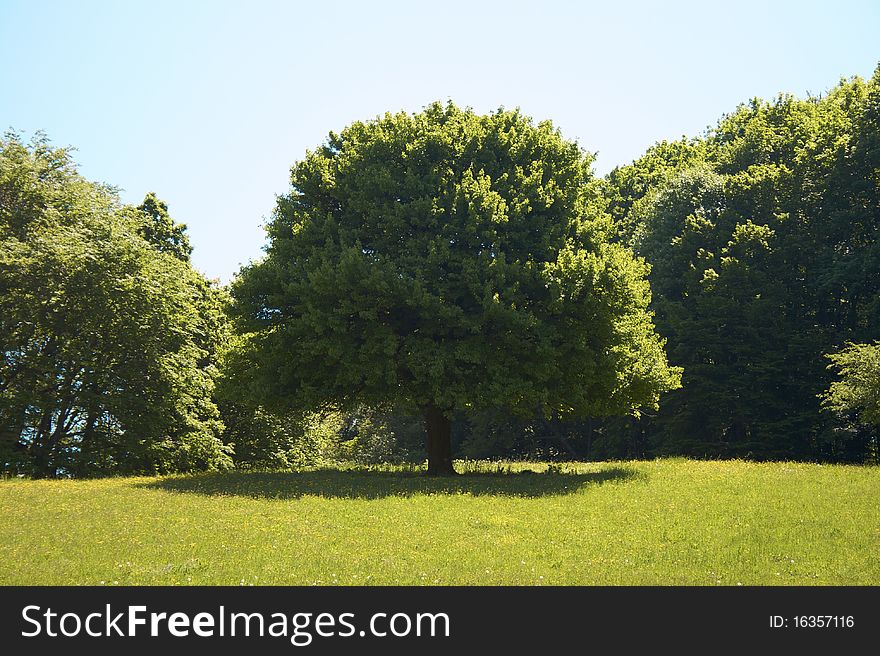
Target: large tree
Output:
[(107, 334), (762, 236), (448, 260)]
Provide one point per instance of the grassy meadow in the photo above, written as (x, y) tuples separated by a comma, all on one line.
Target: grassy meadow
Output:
[(664, 522)]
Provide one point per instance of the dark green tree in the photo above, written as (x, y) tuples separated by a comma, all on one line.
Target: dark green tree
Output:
[(763, 240), (447, 260)]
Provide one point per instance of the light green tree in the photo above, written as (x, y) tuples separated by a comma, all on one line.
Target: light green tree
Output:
[(858, 389), (158, 228), (107, 340)]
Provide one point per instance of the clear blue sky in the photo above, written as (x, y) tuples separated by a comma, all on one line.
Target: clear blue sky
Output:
[(208, 103)]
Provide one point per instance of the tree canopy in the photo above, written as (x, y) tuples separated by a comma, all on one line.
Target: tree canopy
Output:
[(159, 229), (107, 340), (857, 391), (469, 272), (762, 236), (446, 260)]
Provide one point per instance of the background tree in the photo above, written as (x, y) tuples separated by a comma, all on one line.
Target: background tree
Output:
[(158, 228), (107, 341), (763, 239), (444, 261)]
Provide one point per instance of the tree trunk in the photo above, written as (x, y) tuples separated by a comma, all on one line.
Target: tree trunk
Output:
[(439, 430), (40, 447)]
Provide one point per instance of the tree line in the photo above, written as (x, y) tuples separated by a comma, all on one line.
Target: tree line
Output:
[(449, 283), (762, 236)]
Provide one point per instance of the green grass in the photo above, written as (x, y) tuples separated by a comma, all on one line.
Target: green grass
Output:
[(671, 522)]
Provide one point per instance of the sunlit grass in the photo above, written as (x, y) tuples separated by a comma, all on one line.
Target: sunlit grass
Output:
[(670, 522)]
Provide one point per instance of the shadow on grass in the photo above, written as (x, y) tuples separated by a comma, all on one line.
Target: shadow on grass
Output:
[(364, 484)]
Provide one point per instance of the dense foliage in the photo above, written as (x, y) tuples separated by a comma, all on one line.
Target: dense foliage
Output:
[(468, 275), (107, 340), (857, 393), (443, 261), (762, 237)]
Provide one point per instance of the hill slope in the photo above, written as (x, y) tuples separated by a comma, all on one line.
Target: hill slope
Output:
[(669, 522)]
